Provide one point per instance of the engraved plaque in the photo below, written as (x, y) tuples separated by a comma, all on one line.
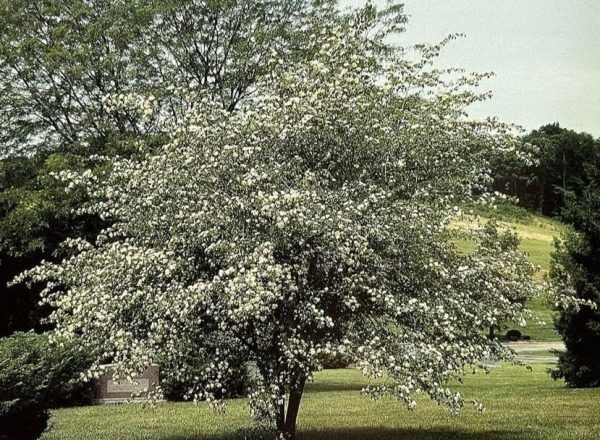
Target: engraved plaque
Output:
[(125, 386), (113, 390)]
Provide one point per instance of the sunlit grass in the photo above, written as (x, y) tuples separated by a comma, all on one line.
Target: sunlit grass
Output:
[(537, 236), (520, 405), (543, 353)]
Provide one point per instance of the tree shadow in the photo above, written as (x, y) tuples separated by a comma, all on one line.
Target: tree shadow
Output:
[(375, 433), (414, 434), (333, 386)]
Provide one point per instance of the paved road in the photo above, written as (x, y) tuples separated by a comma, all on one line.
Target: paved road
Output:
[(531, 347), (538, 359), (535, 346)]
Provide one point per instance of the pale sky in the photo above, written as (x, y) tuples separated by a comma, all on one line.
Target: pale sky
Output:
[(545, 54)]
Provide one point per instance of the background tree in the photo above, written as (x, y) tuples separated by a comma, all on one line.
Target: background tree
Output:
[(561, 163), (576, 271), (59, 58), (35, 217), (312, 222)]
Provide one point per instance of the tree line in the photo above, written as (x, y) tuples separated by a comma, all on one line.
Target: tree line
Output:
[(565, 163)]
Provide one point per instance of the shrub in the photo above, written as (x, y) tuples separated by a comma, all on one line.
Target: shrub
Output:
[(36, 376), (22, 420), (504, 211), (513, 335)]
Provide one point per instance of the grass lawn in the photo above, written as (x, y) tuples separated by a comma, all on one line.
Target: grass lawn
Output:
[(521, 405), (537, 240)]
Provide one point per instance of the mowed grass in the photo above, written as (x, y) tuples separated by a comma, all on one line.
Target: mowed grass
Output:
[(520, 405), (537, 236)]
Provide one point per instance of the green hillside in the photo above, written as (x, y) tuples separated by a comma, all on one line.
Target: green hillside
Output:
[(537, 236)]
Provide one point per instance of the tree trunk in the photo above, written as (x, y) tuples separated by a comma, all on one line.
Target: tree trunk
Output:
[(564, 172), (281, 418), (296, 390), (541, 200)]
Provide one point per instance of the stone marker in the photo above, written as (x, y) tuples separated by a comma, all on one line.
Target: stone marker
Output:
[(110, 390), (489, 362)]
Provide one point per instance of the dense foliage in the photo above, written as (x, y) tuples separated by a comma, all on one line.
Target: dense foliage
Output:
[(313, 221), (59, 58), (35, 377), (178, 378), (563, 160), (35, 217), (576, 271)]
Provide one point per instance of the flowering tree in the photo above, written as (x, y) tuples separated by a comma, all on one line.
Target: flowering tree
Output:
[(313, 221)]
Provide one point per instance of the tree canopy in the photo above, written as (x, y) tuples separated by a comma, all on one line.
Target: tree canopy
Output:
[(59, 58), (562, 160)]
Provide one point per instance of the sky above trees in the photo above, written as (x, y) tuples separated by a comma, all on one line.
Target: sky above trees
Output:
[(545, 53)]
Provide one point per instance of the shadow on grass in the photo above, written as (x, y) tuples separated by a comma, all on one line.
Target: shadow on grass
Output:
[(335, 386), (374, 433), (412, 434)]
